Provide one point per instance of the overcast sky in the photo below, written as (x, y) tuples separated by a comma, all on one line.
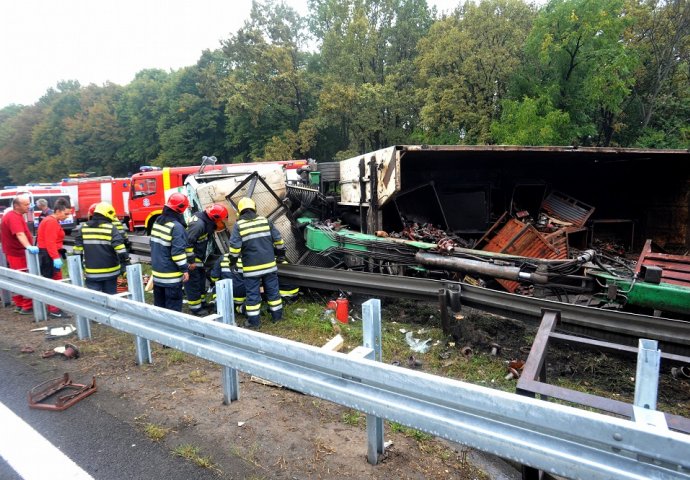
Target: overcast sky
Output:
[(95, 41)]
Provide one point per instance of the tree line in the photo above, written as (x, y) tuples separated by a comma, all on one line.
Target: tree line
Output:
[(358, 75)]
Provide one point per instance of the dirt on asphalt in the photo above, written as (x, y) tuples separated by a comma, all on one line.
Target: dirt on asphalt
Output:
[(271, 432)]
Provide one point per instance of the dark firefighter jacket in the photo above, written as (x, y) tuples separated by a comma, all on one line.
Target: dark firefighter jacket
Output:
[(199, 230), (122, 229), (258, 243), (168, 243), (102, 248)]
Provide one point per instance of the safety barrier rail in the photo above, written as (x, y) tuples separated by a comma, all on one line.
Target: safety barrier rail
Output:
[(555, 438)]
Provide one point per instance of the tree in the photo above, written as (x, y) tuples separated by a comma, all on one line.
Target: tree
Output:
[(48, 137), (659, 105), (584, 63), (94, 136), (16, 126), (138, 112), (189, 126), (367, 53), (464, 67), (266, 91), (531, 122)]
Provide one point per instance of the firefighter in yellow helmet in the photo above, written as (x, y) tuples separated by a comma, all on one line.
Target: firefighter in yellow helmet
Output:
[(103, 250), (257, 242)]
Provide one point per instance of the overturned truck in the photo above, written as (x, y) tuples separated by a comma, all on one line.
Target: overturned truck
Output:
[(596, 226)]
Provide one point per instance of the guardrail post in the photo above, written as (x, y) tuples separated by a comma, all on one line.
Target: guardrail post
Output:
[(4, 294), (33, 266), (135, 284), (371, 325), (647, 385), (226, 309), (76, 278)]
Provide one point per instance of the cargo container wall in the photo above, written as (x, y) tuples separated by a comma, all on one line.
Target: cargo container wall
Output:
[(470, 187)]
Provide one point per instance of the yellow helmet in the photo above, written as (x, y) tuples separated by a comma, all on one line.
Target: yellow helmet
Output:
[(246, 203), (107, 210)]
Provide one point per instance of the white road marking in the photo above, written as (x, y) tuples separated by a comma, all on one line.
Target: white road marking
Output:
[(30, 454)]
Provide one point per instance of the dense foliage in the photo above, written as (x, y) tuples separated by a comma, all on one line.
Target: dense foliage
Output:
[(359, 75)]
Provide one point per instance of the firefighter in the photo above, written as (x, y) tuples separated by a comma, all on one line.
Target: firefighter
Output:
[(168, 256), (223, 270), (120, 228), (103, 250), (201, 226), (256, 241)]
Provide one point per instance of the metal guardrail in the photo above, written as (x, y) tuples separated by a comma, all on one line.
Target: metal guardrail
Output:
[(673, 334), (556, 438)]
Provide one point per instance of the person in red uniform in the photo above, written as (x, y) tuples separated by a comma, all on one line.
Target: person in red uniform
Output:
[(16, 241), (50, 237)]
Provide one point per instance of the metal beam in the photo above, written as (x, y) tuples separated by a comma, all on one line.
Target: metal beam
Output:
[(673, 334), (552, 437)]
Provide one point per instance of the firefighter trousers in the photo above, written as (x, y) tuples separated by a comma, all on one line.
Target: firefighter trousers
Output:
[(272, 291), (195, 289)]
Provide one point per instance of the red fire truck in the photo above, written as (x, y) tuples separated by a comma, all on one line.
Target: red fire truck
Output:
[(89, 190), (152, 187)]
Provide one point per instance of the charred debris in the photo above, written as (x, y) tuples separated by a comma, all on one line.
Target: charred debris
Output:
[(599, 227)]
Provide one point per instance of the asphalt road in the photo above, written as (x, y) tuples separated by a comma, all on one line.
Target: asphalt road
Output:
[(100, 444)]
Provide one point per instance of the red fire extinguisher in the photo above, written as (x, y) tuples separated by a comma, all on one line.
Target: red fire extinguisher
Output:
[(342, 309)]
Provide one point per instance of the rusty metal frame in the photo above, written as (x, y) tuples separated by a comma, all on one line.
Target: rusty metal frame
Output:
[(51, 389), (532, 382), (675, 268)]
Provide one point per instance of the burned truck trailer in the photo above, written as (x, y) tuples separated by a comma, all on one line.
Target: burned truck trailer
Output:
[(465, 189), (520, 216)]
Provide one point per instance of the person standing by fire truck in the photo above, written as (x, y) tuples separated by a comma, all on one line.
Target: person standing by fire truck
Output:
[(201, 227), (50, 238), (258, 243), (168, 254), (16, 241)]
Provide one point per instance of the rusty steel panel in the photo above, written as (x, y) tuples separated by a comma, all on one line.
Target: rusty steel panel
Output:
[(675, 269), (567, 209), (559, 241), (518, 238)]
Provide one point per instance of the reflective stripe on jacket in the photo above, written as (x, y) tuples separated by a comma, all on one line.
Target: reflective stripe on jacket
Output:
[(257, 241), (199, 229), (102, 248), (168, 257)]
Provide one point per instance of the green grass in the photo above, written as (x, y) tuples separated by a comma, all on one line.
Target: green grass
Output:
[(174, 356), (155, 432), (410, 432), (304, 322), (191, 453), (352, 417), (198, 376)]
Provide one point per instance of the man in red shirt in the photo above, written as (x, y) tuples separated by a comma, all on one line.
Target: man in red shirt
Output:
[(16, 240), (49, 238)]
